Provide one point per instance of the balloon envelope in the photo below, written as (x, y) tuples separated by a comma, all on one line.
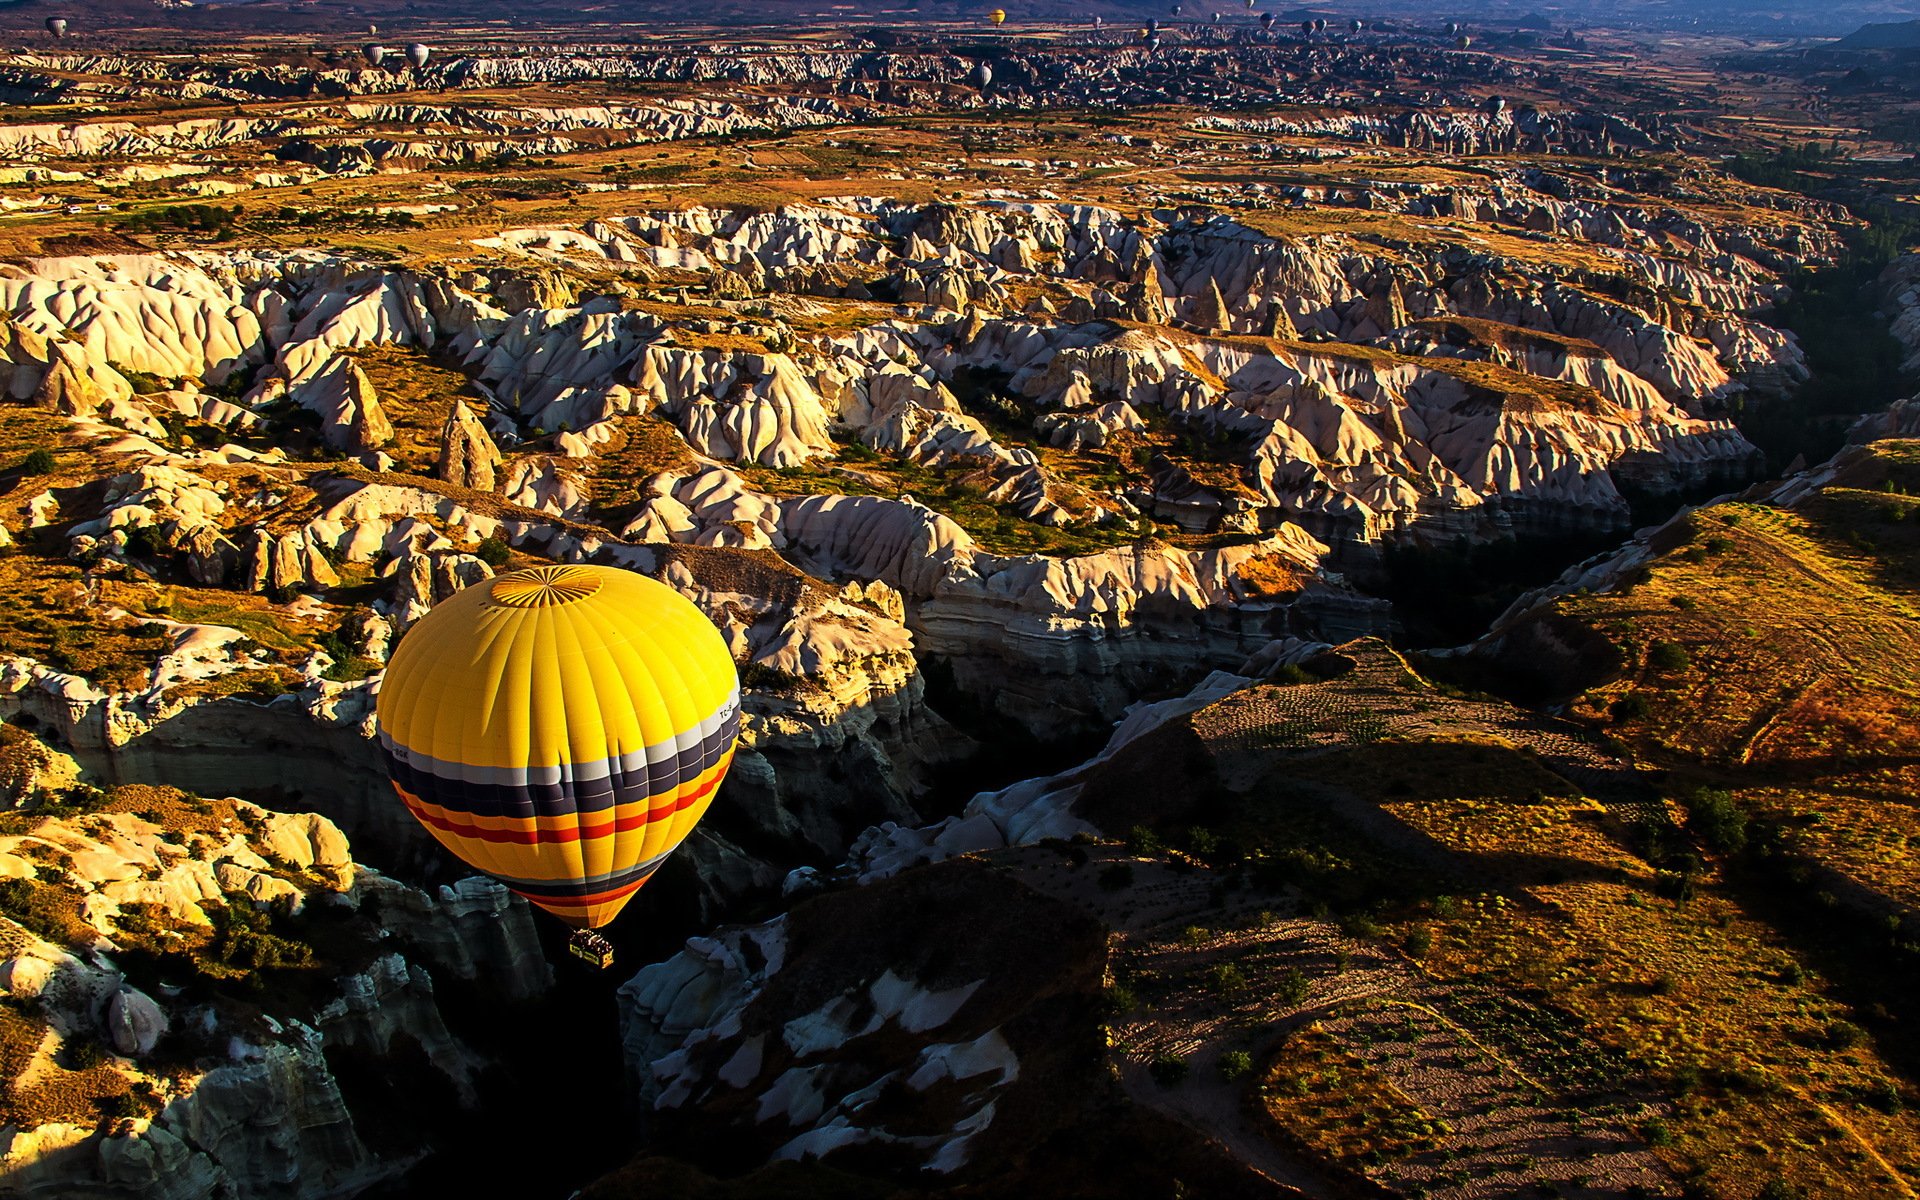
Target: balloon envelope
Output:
[(374, 54), (998, 16), (57, 26), (418, 54), (561, 729)]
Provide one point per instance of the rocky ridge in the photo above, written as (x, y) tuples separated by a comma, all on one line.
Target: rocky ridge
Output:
[(150, 913)]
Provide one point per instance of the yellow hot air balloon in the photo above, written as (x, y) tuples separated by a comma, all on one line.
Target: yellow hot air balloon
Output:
[(998, 16), (562, 729)]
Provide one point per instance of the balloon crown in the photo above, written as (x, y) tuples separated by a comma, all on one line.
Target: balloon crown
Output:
[(541, 587)]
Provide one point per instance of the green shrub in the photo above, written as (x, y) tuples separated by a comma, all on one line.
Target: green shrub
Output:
[(1168, 1069), (1234, 1064), (1885, 1096), (39, 461), (494, 552), (83, 1054), (1714, 817), (1142, 840), (1225, 979), (1633, 707), (1120, 999), (1115, 877), (1419, 941), (1290, 990), (1203, 843), (1667, 657)]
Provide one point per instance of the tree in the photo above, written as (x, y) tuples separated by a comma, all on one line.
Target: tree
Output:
[(39, 461), (1116, 877), (1167, 1068), (494, 552), (1714, 817), (1667, 657)]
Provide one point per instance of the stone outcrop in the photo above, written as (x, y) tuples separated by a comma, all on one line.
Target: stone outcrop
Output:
[(261, 1112), (468, 456)]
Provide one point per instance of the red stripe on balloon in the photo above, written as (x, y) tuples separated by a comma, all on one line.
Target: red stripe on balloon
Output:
[(529, 837)]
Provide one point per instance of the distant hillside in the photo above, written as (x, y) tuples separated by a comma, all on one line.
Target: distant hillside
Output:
[(1895, 35)]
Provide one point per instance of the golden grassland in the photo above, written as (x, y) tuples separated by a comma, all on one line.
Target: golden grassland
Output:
[(641, 447), (417, 392), (1316, 1091), (1770, 1076), (1777, 653), (1454, 826), (48, 617)]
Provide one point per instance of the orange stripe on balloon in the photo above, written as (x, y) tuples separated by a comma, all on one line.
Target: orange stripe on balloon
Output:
[(463, 826)]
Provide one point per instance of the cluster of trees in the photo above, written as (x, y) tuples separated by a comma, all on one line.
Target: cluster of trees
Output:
[(205, 220)]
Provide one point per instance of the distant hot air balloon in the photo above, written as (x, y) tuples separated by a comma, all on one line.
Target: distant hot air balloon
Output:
[(57, 26), (1495, 106), (1153, 27), (1306, 27), (418, 54), (1219, 17), (1462, 42), (1320, 25), (982, 76), (1176, 10), (561, 729), (1356, 25), (1266, 21), (1453, 27), (374, 53), (1099, 22), (1252, 3), (998, 16)]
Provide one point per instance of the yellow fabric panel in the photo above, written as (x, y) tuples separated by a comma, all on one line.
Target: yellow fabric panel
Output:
[(457, 687)]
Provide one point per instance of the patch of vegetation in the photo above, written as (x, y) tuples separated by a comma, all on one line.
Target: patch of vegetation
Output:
[(1317, 1092), (209, 221)]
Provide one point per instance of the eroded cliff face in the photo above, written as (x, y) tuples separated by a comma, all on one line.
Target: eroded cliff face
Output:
[(1163, 460), (1234, 68), (199, 990), (892, 1039)]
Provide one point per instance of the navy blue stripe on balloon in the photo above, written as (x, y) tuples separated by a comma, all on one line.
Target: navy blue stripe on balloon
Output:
[(566, 798), (574, 890)]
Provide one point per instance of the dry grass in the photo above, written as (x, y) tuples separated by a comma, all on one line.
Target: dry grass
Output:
[(642, 446), (36, 1088), (1316, 1092), (49, 618), (1800, 630), (417, 392)]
